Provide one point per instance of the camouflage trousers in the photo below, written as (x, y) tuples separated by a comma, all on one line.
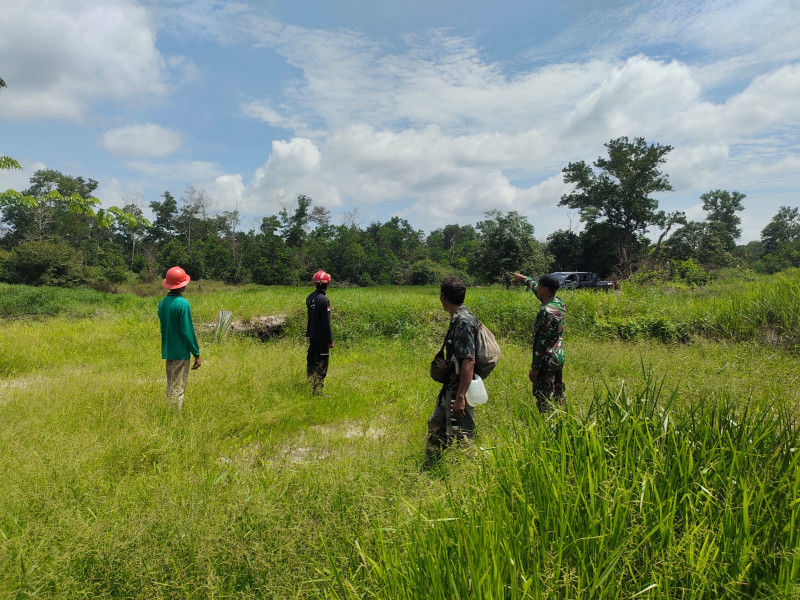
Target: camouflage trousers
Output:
[(549, 389)]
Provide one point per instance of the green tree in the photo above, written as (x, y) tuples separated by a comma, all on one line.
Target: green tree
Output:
[(703, 243), (782, 229), (54, 206), (131, 226), (722, 208), (192, 214), (675, 218), (620, 192), (566, 249), (685, 242), (607, 250), (165, 223), (348, 257), (507, 244), (173, 254), (294, 223)]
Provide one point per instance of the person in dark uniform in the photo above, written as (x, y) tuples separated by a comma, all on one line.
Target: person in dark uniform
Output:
[(318, 332), (453, 417)]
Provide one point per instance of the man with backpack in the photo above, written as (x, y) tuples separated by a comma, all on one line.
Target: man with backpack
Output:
[(453, 417)]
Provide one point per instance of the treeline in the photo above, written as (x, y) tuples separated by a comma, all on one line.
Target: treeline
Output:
[(53, 233)]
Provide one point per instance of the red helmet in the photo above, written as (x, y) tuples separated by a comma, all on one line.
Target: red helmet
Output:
[(321, 277), (176, 278)]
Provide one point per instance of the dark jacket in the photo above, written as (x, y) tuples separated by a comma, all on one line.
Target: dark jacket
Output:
[(318, 328)]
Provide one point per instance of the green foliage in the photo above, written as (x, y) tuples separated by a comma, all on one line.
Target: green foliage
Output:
[(565, 248), (294, 222), (165, 224), (427, 272), (506, 245), (43, 263), (637, 494), (113, 267), (688, 271), (722, 207), (139, 263), (173, 254), (8, 163), (784, 228), (620, 193), (648, 277)]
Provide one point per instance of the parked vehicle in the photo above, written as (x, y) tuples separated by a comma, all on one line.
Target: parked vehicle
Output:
[(582, 279)]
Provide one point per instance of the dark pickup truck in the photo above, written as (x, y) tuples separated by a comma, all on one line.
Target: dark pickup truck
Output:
[(582, 279)]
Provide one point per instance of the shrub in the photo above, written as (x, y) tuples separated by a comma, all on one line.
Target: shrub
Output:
[(427, 272), (647, 277), (44, 263), (688, 271)]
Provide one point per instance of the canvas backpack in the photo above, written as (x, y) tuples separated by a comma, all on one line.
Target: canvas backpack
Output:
[(487, 351)]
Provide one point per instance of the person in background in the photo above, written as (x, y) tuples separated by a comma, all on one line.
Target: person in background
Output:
[(452, 416), (178, 339), (547, 365), (318, 332)]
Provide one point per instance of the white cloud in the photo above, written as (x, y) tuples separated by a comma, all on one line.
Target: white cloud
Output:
[(142, 140), (58, 56), (19, 179), (262, 111), (187, 170), (226, 190), (445, 132), (696, 166)]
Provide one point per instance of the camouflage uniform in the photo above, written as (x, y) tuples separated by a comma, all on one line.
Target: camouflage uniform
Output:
[(548, 354), (531, 285), (459, 344)]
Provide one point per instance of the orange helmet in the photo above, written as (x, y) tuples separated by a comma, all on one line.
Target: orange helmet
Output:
[(176, 278), (321, 277)]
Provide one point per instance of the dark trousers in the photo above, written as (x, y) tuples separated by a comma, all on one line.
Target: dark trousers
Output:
[(443, 428), (317, 364), (549, 388)]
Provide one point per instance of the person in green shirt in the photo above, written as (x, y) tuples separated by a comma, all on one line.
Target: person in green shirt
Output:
[(178, 339)]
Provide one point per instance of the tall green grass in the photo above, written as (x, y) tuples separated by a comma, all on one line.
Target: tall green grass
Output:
[(766, 310), (637, 497), (258, 490)]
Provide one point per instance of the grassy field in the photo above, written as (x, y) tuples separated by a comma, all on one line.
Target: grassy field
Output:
[(673, 474)]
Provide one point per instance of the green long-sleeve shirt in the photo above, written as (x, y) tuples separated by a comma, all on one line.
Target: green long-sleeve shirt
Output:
[(178, 340)]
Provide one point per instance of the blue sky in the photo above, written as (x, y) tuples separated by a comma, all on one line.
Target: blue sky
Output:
[(433, 111)]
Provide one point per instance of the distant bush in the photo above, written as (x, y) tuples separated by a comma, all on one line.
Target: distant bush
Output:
[(44, 263), (427, 272), (647, 277), (27, 301), (689, 272)]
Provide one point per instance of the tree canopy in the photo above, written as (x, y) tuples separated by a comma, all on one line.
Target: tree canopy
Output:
[(621, 192)]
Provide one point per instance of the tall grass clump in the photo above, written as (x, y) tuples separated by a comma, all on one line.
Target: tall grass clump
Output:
[(28, 301), (634, 498)]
